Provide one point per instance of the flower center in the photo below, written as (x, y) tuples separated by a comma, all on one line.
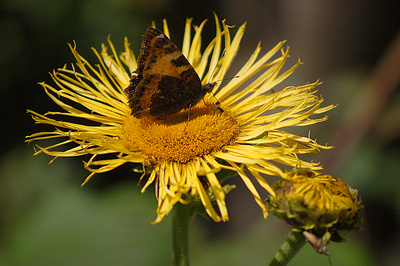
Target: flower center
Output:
[(178, 139)]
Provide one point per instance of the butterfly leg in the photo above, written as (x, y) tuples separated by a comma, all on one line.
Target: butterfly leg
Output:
[(187, 122)]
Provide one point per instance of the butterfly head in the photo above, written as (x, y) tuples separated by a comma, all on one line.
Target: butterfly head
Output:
[(208, 87)]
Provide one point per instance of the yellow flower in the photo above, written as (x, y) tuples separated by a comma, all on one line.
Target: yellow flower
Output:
[(322, 207), (243, 132)]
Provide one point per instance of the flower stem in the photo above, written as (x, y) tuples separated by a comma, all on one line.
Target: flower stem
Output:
[(180, 233), (292, 245)]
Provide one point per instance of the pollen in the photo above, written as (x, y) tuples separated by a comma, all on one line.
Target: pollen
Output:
[(182, 137)]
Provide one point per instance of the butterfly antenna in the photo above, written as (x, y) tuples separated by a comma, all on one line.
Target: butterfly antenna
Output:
[(212, 73)]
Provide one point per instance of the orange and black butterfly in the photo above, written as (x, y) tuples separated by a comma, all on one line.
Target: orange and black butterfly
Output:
[(164, 82)]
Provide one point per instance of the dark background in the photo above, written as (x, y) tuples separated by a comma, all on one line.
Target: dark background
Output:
[(47, 219)]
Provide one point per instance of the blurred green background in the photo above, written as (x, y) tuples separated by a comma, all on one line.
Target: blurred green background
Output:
[(47, 219)]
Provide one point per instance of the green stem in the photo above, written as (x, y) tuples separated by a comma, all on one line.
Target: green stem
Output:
[(180, 233), (292, 245)]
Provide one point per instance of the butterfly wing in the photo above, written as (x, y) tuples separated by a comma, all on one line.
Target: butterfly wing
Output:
[(165, 82)]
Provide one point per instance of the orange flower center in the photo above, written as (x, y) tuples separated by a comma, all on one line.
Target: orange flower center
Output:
[(181, 138)]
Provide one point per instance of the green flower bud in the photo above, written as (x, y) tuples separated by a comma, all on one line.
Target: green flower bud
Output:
[(323, 206)]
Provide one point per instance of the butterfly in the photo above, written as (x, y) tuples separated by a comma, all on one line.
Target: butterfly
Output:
[(164, 82)]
